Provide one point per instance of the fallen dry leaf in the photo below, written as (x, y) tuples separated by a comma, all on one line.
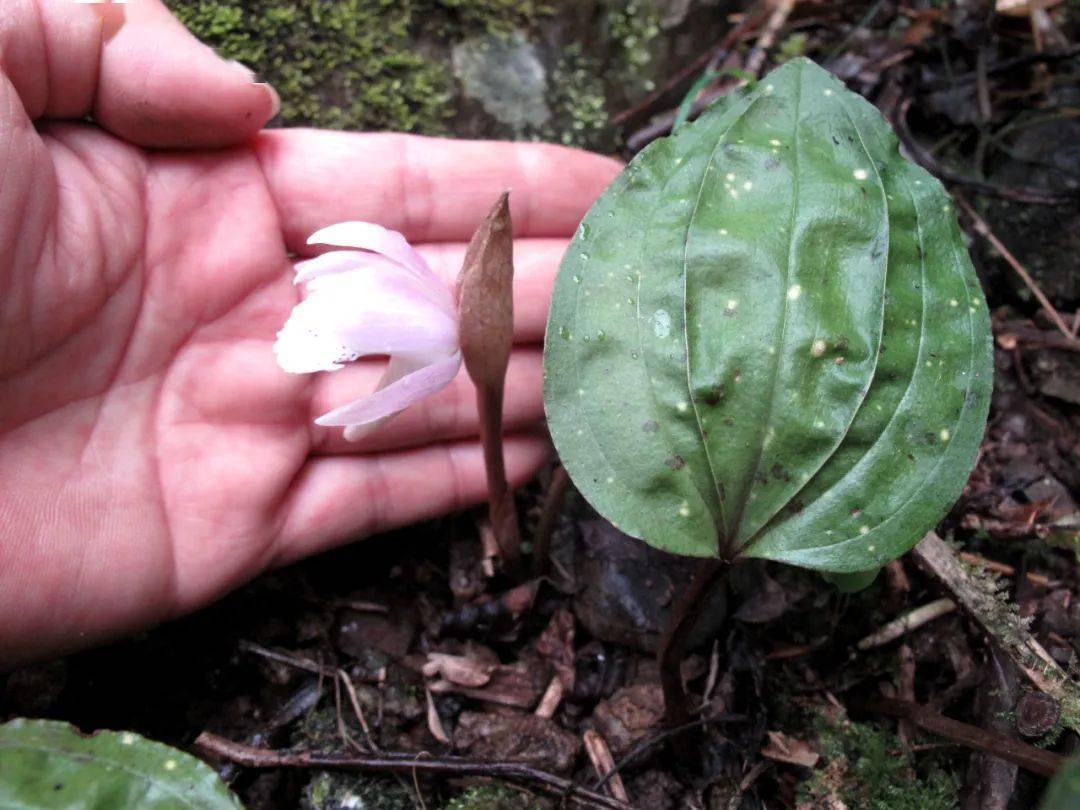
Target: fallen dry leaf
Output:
[(458, 669), (782, 748)]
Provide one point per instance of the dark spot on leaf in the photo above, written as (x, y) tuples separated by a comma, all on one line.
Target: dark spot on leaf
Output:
[(729, 421), (797, 506), (910, 457), (58, 786), (650, 426), (676, 462), (715, 394), (772, 164), (780, 473), (842, 343), (931, 437), (835, 140)]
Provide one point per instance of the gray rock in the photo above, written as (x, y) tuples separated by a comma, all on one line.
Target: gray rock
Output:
[(506, 76)]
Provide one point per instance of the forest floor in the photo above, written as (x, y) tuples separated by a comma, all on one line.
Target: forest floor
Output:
[(406, 634)]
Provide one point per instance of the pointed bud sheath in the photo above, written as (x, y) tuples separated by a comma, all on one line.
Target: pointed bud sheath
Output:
[(486, 334), (485, 298)]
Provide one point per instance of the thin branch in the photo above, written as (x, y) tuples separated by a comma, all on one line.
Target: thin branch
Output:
[(936, 558), (983, 229), (656, 739), (713, 56), (1036, 760), (549, 515), (553, 785), (781, 11), (927, 161), (912, 620), (1009, 334)]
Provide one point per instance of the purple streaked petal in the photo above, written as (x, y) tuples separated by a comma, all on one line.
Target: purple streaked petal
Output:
[(376, 238), (342, 261), (396, 392), (357, 313), (336, 261)]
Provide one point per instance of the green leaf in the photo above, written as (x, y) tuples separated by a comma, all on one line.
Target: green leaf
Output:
[(48, 764), (853, 582), (1063, 792), (767, 339)]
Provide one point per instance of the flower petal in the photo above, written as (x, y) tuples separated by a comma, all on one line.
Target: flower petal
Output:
[(405, 383), (376, 238), (336, 261), (352, 314)]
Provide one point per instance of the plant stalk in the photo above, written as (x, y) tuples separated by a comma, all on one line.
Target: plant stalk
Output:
[(674, 646), (549, 515), (501, 506)]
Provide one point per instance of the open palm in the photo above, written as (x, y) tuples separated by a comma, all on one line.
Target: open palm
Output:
[(152, 454)]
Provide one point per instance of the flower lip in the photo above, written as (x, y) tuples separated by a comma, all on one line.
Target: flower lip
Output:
[(380, 298)]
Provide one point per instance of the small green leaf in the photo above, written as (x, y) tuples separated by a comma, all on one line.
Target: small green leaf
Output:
[(767, 339), (1063, 793), (851, 583), (48, 764)]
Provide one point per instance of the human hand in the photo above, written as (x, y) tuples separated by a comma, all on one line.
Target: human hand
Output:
[(152, 454)]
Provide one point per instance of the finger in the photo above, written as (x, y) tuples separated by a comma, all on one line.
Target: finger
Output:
[(448, 415), (150, 82), (432, 190), (339, 497)]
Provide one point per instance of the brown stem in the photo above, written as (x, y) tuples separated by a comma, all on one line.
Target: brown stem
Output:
[(549, 514), (500, 497), (1037, 760), (674, 643), (252, 757)]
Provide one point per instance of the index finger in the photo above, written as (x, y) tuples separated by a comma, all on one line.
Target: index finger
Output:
[(430, 189)]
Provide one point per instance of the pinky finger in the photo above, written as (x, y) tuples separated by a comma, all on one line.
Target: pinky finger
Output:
[(338, 498)]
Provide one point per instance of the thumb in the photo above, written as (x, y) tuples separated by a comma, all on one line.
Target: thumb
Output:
[(132, 67)]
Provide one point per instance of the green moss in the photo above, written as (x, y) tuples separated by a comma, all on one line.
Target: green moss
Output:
[(496, 16), (492, 797), (335, 63), (869, 768), (580, 104), (634, 25), (332, 791), (793, 47)]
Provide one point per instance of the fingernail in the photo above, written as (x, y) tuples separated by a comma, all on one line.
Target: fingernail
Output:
[(274, 97), (247, 72)]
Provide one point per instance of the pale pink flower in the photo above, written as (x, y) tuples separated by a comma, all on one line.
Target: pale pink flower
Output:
[(381, 298)]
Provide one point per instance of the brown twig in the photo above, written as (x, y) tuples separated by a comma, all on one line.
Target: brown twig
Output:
[(549, 515), (781, 11), (400, 763), (662, 736), (983, 229), (938, 560), (1036, 760), (603, 763), (712, 56), (289, 660), (1007, 66), (927, 161), (1009, 334)]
